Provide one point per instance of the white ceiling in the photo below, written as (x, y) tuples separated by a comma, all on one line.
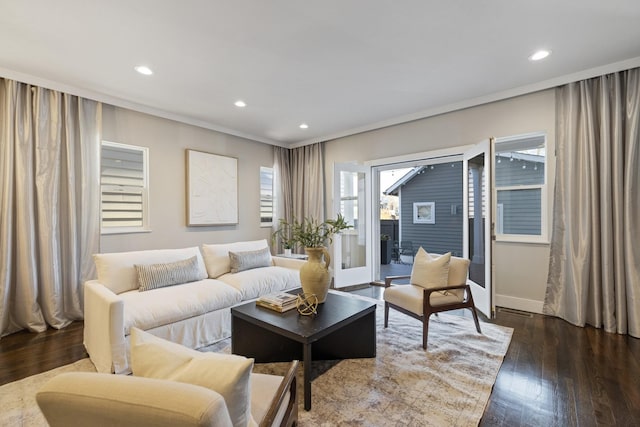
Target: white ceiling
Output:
[(342, 66)]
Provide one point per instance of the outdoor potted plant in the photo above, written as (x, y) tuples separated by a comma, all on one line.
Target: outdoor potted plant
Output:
[(385, 249), (313, 236)]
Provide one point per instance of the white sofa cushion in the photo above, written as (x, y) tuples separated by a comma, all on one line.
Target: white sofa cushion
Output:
[(261, 281), (411, 296), (227, 374), (263, 390), (147, 310), (116, 271), (216, 256)]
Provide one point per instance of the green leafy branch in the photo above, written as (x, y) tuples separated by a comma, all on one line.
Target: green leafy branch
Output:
[(309, 233)]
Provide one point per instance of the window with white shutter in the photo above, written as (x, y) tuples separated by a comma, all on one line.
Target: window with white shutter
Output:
[(124, 188), (266, 196)]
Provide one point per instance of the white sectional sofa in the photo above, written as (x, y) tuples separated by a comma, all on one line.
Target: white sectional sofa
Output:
[(194, 314)]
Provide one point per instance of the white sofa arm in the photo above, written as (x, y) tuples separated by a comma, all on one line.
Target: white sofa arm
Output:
[(292, 263), (104, 337)]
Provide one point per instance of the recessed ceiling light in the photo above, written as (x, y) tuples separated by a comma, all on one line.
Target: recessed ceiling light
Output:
[(304, 126), (143, 69), (240, 103), (541, 54)]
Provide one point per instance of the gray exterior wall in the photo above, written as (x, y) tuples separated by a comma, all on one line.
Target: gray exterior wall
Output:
[(442, 185), (521, 209)]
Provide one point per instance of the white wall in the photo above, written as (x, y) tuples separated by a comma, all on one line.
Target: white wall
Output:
[(167, 141), (520, 269)]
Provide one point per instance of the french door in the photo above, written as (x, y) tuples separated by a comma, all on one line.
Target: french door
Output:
[(477, 224), (352, 249)]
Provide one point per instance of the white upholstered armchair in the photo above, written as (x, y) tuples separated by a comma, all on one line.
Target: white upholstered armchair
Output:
[(437, 284), (172, 386)]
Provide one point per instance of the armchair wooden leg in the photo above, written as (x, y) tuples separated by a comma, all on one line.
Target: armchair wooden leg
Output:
[(475, 319), (386, 314), (425, 330), (473, 309)]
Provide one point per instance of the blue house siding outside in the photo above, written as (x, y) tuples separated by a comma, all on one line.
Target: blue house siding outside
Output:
[(443, 186), (519, 210)]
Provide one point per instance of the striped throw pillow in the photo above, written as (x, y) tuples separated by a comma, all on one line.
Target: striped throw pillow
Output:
[(154, 276), (241, 261)]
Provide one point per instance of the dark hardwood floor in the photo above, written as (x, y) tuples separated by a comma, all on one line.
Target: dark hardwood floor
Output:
[(24, 354), (554, 374)]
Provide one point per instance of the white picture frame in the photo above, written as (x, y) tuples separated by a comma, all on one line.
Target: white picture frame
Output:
[(424, 212), (212, 189)]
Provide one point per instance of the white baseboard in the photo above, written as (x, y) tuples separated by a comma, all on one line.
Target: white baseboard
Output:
[(530, 305)]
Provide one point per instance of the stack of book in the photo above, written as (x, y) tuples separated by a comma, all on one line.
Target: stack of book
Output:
[(280, 301)]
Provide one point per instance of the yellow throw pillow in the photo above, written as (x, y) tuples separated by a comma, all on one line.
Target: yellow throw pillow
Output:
[(429, 271), (227, 374)]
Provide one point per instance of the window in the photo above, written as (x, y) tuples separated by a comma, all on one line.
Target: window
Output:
[(520, 181), (266, 196), (124, 188)]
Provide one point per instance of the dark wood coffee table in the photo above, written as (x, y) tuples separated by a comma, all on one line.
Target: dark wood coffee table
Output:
[(343, 328)]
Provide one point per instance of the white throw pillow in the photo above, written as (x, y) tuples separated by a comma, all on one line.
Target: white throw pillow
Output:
[(430, 272), (216, 256), (116, 270), (229, 375)]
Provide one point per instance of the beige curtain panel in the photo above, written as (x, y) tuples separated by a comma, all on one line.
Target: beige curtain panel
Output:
[(49, 204), (282, 190), (299, 184), (307, 182), (594, 269)]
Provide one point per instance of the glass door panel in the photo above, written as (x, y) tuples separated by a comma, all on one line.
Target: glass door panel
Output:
[(477, 224), (352, 248)]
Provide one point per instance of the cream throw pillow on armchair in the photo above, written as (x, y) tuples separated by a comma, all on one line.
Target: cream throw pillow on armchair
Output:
[(229, 375), (429, 271)]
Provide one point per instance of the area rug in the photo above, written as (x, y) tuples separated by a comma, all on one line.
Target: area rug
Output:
[(449, 384)]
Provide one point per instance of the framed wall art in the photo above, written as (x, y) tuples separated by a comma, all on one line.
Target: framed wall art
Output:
[(424, 213), (212, 189)]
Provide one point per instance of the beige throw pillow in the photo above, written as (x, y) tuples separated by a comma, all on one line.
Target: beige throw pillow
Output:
[(458, 271), (430, 272), (216, 256), (229, 375)]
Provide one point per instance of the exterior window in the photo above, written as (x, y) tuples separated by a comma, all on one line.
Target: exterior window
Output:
[(124, 188), (520, 181), (266, 196)]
